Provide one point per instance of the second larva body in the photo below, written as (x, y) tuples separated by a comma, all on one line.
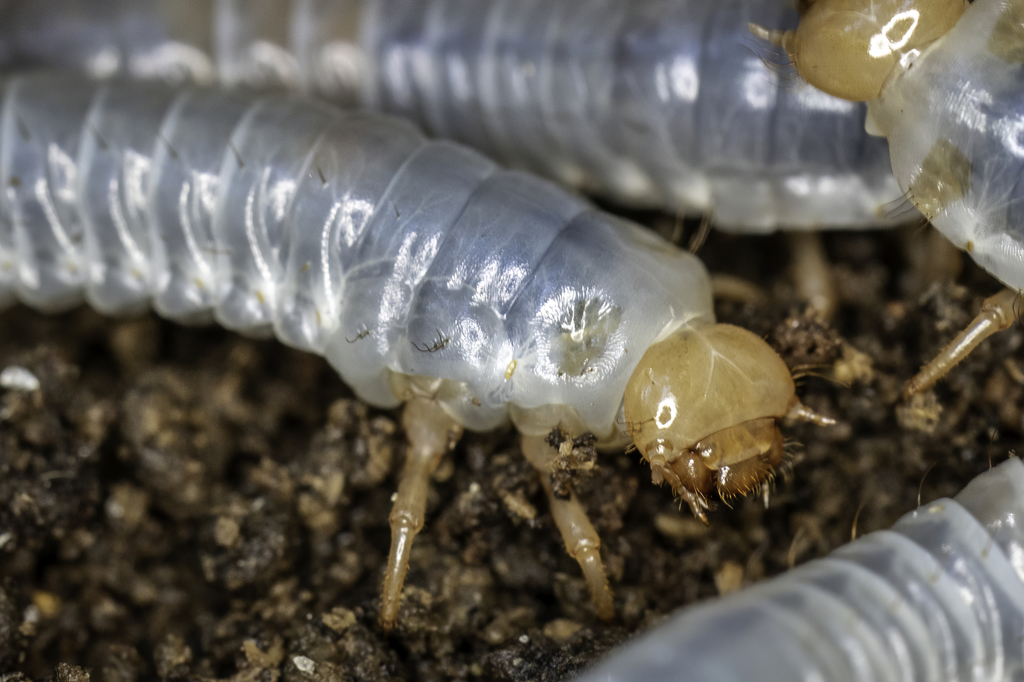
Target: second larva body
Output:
[(424, 273), (667, 103)]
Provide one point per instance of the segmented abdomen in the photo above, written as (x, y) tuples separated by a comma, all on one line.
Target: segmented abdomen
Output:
[(661, 102), (664, 102), (939, 597), (347, 234)]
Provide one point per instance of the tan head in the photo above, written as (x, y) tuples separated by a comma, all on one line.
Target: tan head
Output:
[(702, 406), (848, 48)]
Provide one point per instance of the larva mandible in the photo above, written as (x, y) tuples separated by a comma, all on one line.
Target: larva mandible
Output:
[(944, 82), (421, 271), (658, 102), (938, 597)]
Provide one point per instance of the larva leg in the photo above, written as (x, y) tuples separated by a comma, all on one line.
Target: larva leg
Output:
[(431, 433), (931, 258), (811, 273), (997, 313), (732, 288), (581, 539)]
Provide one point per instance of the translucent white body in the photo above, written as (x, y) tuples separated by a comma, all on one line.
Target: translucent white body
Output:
[(954, 116), (939, 597), (411, 265), (665, 103)]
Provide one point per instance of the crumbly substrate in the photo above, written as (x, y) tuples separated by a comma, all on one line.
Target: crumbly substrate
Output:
[(189, 504)]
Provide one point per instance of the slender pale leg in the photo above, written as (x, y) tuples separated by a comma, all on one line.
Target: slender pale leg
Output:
[(812, 272), (581, 539), (997, 314), (431, 433), (733, 288)]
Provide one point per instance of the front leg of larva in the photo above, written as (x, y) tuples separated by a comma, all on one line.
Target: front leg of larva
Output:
[(431, 433), (702, 408), (580, 537)]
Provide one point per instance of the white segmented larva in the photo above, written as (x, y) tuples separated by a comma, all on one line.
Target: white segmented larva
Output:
[(425, 275), (939, 597), (944, 81), (655, 102)]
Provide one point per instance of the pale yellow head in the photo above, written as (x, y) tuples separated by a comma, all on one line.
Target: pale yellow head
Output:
[(702, 406), (848, 48)]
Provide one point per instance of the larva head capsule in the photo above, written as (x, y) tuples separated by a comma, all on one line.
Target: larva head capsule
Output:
[(848, 48), (702, 407)]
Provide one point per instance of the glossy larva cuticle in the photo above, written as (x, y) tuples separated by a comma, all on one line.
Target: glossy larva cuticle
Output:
[(425, 274), (667, 103), (938, 597)]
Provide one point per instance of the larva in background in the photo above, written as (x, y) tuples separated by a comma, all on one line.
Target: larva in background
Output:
[(940, 596), (944, 81), (425, 275), (662, 103)]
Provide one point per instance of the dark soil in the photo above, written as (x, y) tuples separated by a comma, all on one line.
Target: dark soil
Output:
[(184, 503)]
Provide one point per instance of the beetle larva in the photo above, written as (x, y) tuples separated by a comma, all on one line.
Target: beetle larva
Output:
[(660, 102), (938, 597), (421, 271), (943, 80)]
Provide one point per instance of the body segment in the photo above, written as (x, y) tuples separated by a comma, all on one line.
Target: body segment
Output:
[(938, 597), (666, 103)]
